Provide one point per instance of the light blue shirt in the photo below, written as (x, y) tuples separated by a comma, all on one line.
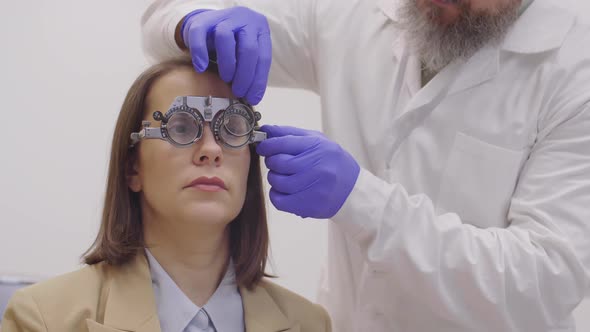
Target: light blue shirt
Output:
[(177, 313)]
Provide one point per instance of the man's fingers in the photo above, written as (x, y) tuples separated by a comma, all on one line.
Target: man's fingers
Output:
[(247, 57), (225, 45), (197, 39), (258, 87), (278, 131), (291, 184), (288, 203), (292, 145), (287, 164)]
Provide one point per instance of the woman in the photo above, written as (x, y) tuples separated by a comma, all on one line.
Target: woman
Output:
[(183, 240)]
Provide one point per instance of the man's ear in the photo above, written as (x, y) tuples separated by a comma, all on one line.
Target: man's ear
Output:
[(133, 179)]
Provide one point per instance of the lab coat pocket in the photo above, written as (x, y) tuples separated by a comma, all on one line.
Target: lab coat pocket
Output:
[(478, 181)]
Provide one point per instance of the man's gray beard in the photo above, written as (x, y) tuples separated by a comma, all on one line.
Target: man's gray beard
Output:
[(438, 45)]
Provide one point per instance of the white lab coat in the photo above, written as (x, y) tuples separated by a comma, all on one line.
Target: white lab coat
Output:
[(472, 211)]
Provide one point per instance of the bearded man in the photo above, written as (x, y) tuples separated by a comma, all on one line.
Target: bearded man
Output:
[(454, 163)]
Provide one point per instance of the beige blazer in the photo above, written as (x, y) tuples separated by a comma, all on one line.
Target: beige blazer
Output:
[(103, 298)]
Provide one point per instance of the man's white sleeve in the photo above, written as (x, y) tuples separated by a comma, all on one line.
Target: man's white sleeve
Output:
[(292, 25)]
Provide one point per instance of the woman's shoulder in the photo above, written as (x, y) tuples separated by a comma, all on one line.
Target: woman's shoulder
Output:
[(311, 316), (70, 295), (79, 283)]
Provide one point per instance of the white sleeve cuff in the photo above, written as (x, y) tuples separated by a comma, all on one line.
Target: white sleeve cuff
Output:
[(364, 205)]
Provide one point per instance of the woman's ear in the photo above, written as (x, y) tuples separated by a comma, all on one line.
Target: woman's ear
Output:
[(133, 179)]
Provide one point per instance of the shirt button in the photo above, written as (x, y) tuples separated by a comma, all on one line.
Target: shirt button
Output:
[(202, 320)]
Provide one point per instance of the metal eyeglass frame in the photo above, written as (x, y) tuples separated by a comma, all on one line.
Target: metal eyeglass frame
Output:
[(203, 109)]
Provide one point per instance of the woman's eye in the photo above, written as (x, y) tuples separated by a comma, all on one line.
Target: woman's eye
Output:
[(236, 125), (179, 129)]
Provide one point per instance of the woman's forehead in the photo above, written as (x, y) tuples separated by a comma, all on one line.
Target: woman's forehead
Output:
[(185, 82)]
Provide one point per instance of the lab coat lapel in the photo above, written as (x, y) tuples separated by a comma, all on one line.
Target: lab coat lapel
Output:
[(458, 76), (262, 314), (130, 303), (483, 66)]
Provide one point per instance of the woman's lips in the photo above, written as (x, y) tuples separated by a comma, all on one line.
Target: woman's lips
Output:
[(445, 2), (208, 184), (208, 187)]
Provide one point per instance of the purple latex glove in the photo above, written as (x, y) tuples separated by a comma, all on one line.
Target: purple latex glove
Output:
[(241, 39), (310, 175)]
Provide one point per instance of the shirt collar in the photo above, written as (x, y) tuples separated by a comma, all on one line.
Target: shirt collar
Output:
[(225, 306), (542, 27), (176, 310)]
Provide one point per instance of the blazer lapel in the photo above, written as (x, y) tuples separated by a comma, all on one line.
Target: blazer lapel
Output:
[(262, 314), (130, 303), (151, 325)]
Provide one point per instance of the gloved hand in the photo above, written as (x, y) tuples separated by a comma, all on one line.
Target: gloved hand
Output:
[(241, 39), (310, 175)]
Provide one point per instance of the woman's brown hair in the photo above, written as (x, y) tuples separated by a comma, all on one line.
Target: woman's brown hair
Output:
[(120, 237)]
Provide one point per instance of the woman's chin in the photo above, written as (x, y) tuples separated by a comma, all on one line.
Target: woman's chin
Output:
[(208, 213)]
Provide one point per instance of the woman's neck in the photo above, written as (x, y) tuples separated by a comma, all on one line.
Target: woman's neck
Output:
[(195, 259)]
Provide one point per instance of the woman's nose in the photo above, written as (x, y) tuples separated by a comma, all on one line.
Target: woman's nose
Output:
[(208, 151)]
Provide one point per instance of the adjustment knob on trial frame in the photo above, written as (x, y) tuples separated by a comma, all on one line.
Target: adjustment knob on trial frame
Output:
[(158, 116)]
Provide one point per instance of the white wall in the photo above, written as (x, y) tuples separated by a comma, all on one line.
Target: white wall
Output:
[(66, 65)]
